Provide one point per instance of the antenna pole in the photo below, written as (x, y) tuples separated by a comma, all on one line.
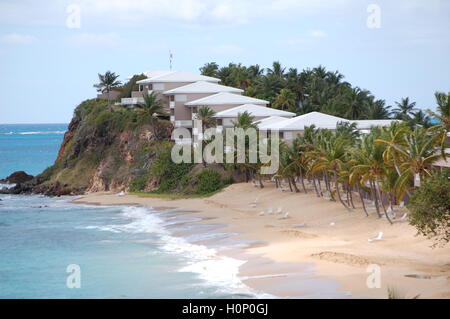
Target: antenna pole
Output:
[(170, 59)]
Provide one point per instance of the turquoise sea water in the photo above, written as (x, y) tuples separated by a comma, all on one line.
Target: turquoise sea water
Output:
[(122, 252)]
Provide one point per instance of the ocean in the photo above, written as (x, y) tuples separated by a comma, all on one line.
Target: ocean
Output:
[(51, 248)]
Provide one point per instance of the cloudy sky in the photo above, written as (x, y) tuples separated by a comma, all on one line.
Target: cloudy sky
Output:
[(49, 61)]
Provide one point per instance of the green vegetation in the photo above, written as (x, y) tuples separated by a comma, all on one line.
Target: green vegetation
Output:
[(430, 207), (312, 90), (107, 82), (208, 181)]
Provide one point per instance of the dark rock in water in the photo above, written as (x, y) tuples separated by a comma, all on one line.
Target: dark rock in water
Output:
[(18, 177)]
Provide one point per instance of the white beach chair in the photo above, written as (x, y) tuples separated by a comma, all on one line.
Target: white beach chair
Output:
[(285, 216), (402, 204), (122, 193), (270, 211), (378, 238), (332, 224), (261, 213), (279, 210), (299, 225), (254, 203)]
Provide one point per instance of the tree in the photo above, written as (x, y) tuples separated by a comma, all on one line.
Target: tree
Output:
[(430, 208), (378, 110), (244, 121), (210, 69), (405, 109), (443, 108), (206, 115), (151, 108), (285, 100), (108, 81)]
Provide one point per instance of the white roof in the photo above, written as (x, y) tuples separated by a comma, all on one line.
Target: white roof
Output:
[(367, 124), (226, 98), (320, 120), (254, 110), (152, 74), (178, 76), (203, 87), (268, 121)]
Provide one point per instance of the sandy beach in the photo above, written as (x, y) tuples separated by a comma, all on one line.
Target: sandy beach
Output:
[(319, 240)]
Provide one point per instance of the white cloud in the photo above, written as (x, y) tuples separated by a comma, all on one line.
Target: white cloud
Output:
[(156, 12), (317, 33), (16, 38), (96, 40)]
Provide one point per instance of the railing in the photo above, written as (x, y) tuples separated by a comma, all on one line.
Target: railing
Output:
[(131, 100), (187, 123)]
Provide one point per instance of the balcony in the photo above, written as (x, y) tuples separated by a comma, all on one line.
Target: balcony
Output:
[(187, 123), (132, 100)]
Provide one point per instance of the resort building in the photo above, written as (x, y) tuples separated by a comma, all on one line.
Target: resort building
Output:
[(181, 114), (227, 117), (291, 128), (160, 81)]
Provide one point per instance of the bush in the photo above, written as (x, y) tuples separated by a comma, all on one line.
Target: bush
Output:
[(208, 181), (430, 207), (228, 180), (138, 184)]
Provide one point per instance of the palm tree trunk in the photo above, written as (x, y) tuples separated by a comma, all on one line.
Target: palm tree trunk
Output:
[(290, 186), (351, 197), (362, 201), (339, 194), (303, 181), (374, 193), (382, 204), (295, 185), (260, 181), (315, 187)]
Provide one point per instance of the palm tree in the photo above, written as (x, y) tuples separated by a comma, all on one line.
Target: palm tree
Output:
[(285, 100), (244, 121), (210, 69), (151, 108), (108, 81), (443, 102), (277, 70), (405, 109), (206, 115), (420, 118), (378, 110)]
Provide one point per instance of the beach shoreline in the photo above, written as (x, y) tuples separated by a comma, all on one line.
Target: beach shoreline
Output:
[(320, 247)]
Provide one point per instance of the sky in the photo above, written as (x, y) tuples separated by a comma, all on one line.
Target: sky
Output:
[(51, 51)]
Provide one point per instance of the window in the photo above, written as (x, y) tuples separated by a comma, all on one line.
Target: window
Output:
[(219, 122), (150, 87), (172, 98), (180, 98), (158, 87)]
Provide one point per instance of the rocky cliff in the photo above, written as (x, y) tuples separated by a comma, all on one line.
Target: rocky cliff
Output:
[(113, 149)]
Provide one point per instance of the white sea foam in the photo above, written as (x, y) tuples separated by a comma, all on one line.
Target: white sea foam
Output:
[(33, 133), (215, 270)]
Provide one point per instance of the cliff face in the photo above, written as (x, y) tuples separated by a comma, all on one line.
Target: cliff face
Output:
[(114, 149), (103, 150)]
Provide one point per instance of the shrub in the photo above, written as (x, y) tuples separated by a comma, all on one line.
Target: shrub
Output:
[(228, 180), (430, 207), (208, 181), (138, 184)]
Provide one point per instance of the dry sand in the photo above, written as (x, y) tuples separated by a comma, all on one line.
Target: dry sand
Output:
[(331, 245)]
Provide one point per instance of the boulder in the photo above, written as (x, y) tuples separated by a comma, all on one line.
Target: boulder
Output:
[(18, 178)]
